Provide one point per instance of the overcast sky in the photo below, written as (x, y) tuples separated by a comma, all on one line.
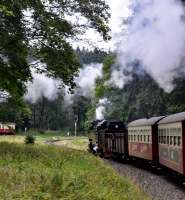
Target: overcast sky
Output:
[(119, 10)]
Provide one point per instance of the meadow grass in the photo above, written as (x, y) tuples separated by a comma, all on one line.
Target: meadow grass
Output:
[(79, 143), (42, 172)]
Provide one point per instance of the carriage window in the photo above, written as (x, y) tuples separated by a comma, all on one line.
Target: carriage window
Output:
[(167, 140), (179, 141), (175, 140), (159, 136), (164, 132), (171, 140), (164, 139), (161, 139)]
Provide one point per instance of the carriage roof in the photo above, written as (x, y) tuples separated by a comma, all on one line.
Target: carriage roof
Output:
[(178, 117), (145, 122)]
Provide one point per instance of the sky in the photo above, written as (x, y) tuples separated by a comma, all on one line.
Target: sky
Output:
[(119, 9)]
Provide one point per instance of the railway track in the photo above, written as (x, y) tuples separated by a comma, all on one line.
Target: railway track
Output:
[(159, 185)]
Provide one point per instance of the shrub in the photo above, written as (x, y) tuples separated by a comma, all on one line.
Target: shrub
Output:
[(29, 139)]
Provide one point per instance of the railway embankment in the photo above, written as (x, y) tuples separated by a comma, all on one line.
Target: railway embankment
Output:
[(157, 186)]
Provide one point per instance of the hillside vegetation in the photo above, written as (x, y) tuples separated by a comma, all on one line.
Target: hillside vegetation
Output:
[(45, 172)]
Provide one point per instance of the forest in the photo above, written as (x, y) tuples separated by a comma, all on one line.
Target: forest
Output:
[(141, 97), (21, 54)]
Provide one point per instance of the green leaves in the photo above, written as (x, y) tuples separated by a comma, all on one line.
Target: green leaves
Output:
[(41, 30), (5, 10)]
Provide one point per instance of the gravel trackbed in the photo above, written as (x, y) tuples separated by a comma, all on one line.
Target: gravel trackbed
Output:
[(156, 186)]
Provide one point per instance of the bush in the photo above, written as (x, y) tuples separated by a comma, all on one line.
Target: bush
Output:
[(30, 139)]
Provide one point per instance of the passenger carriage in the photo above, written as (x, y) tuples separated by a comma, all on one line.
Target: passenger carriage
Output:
[(143, 138), (7, 128), (172, 142)]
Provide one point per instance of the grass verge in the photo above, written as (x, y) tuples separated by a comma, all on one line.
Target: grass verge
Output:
[(53, 173)]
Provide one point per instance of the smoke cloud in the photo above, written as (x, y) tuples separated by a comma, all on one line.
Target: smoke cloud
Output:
[(156, 37), (43, 86)]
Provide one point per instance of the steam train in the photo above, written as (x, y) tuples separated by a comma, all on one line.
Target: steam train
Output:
[(159, 140)]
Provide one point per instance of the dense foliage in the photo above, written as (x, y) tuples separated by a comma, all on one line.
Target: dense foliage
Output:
[(35, 33), (87, 56), (139, 98)]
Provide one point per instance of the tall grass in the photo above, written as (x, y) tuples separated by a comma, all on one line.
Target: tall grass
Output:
[(51, 173)]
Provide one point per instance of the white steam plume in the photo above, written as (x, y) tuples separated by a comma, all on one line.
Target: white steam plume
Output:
[(156, 37), (101, 109), (42, 86), (85, 82), (87, 77)]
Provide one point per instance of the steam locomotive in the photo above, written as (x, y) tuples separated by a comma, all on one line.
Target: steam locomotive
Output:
[(159, 140)]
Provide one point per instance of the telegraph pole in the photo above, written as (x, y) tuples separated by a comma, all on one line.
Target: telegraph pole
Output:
[(76, 120)]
